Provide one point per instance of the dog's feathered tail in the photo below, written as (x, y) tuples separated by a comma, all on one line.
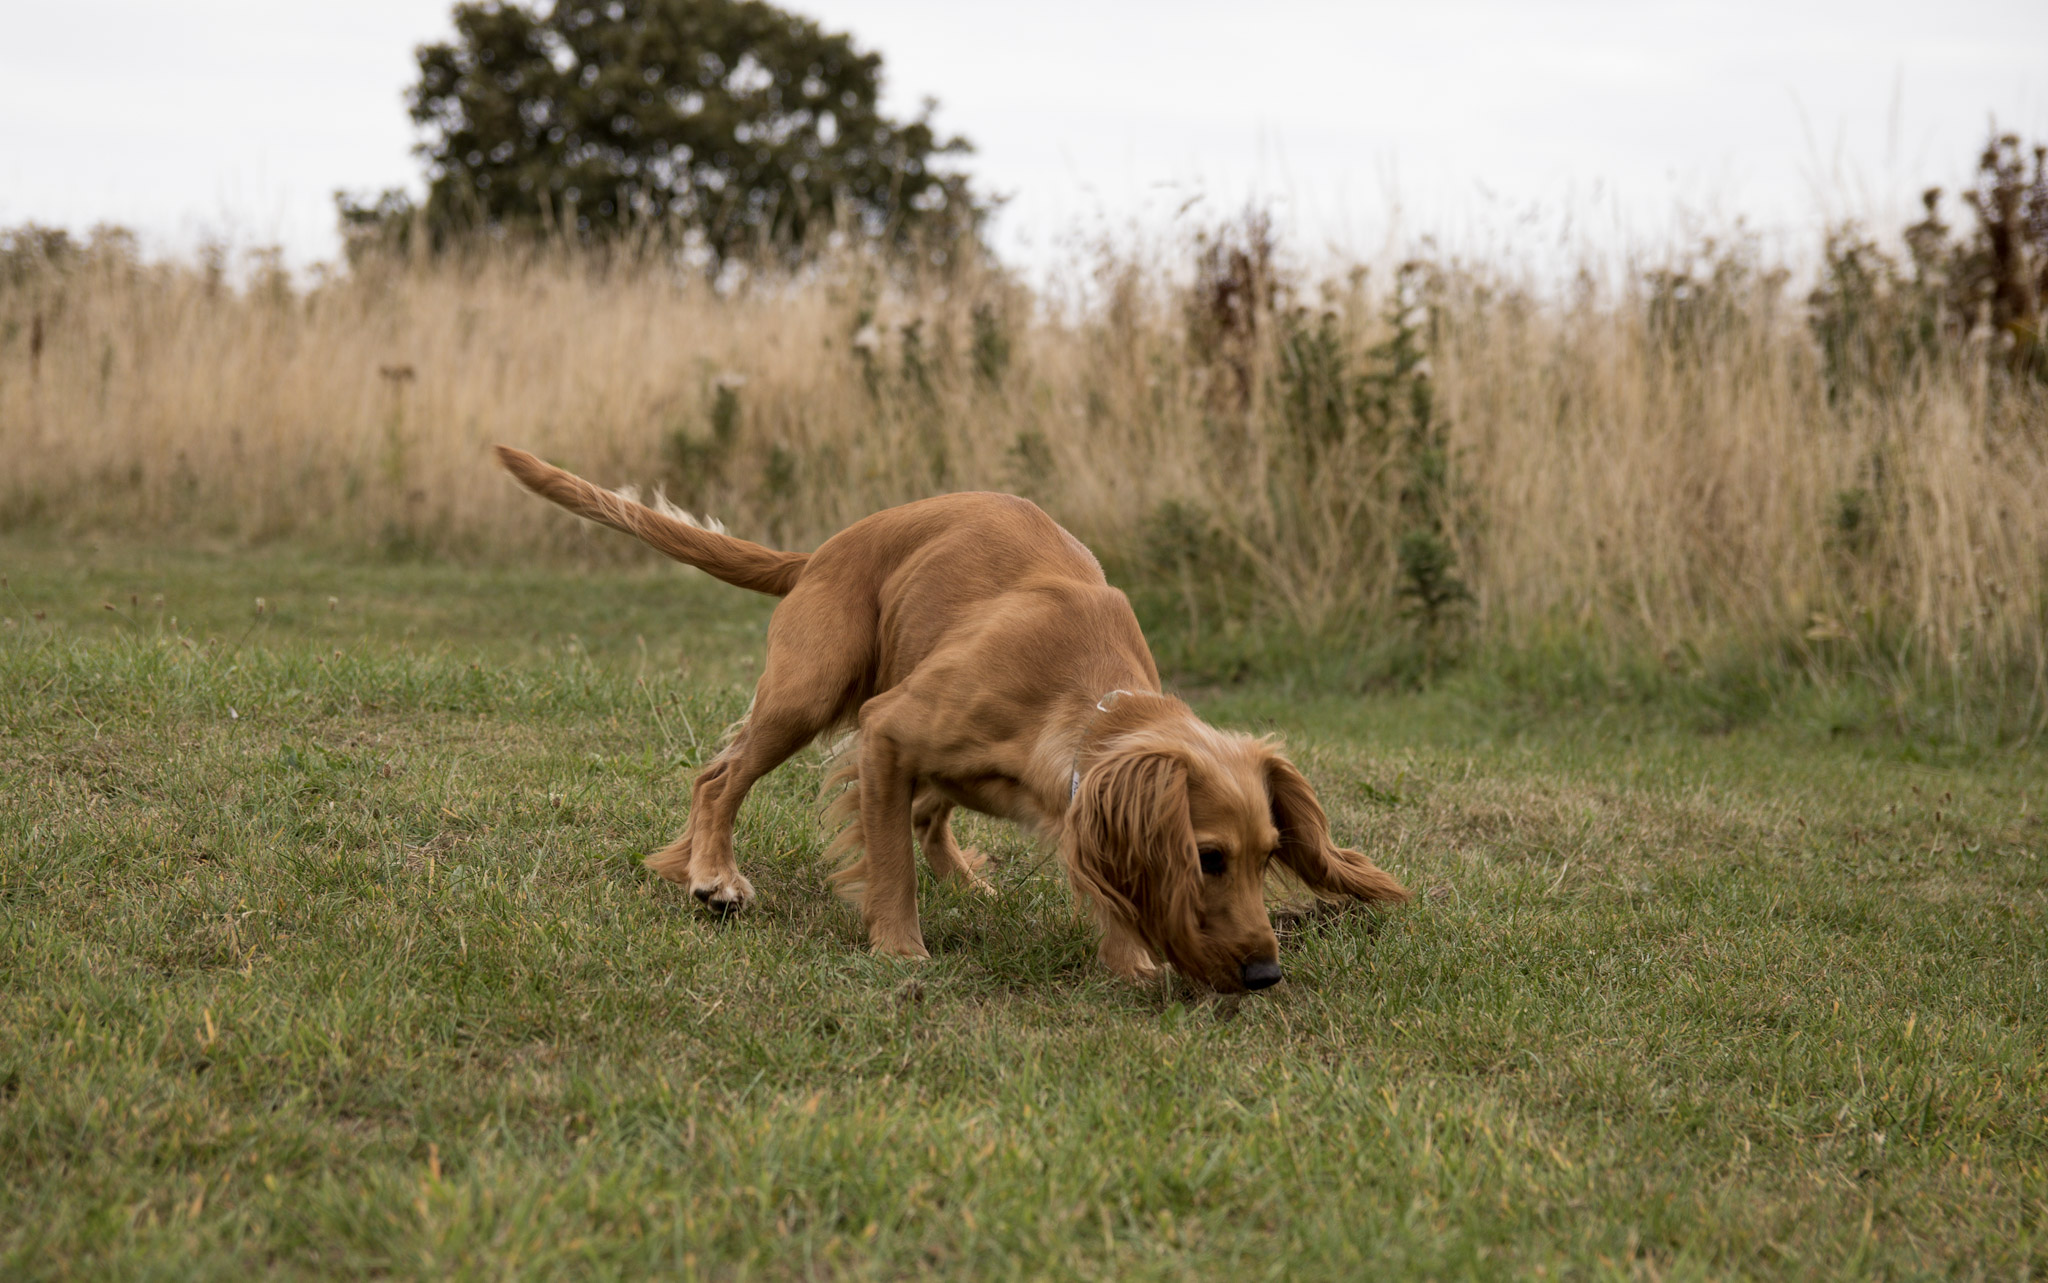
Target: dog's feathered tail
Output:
[(737, 562)]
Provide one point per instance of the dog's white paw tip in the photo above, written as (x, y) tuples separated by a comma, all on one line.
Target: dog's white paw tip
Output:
[(907, 950), (727, 895)]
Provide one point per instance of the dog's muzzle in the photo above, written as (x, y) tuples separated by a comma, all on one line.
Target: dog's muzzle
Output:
[(1260, 974)]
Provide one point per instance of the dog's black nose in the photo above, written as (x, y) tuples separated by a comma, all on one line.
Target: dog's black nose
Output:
[(1260, 974)]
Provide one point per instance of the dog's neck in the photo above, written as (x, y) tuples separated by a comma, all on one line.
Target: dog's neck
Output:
[(1115, 710), (1102, 706)]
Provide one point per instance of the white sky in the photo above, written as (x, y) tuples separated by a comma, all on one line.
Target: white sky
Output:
[(1488, 122)]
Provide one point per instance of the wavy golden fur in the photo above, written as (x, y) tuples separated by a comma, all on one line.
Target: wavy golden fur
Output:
[(985, 662)]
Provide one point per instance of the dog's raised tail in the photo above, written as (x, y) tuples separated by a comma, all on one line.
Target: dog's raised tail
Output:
[(737, 562)]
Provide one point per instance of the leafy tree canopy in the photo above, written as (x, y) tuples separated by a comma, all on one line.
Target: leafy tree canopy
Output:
[(731, 120)]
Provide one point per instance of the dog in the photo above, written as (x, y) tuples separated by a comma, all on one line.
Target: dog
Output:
[(984, 661)]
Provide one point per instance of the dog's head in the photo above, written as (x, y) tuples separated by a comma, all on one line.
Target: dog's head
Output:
[(1171, 832)]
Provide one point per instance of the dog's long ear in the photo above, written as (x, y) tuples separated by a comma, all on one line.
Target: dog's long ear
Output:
[(1130, 846), (1305, 845)]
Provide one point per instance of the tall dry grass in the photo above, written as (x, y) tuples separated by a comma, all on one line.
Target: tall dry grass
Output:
[(1662, 463)]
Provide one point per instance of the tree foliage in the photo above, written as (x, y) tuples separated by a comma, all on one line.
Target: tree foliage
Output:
[(732, 122)]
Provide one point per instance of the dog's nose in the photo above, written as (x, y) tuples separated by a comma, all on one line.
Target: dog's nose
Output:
[(1259, 974)]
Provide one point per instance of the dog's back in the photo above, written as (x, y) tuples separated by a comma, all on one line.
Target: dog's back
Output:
[(945, 570)]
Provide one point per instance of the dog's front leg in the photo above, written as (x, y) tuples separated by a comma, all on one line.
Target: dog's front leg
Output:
[(889, 906), (1124, 951)]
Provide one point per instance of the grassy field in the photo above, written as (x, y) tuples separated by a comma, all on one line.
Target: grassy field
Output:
[(324, 950)]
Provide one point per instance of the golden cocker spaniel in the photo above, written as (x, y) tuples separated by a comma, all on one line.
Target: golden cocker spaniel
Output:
[(985, 662)]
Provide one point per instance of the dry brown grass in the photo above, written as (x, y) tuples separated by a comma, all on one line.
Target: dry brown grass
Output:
[(1656, 468)]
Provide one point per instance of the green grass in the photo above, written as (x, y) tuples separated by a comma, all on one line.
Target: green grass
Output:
[(324, 950)]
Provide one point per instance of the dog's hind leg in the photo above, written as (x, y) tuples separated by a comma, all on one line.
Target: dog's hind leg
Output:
[(713, 875), (804, 685), (932, 812)]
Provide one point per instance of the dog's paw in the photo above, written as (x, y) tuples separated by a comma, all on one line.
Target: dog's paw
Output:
[(972, 865), (1141, 973), (911, 947), (1130, 959), (726, 892)]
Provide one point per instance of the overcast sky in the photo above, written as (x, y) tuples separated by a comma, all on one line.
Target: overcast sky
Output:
[(238, 118)]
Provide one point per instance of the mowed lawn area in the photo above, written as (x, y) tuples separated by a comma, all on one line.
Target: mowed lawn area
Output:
[(325, 950)]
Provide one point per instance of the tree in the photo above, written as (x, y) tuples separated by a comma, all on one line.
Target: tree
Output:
[(726, 120)]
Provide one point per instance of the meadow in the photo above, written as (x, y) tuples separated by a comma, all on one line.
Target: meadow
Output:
[(324, 951)]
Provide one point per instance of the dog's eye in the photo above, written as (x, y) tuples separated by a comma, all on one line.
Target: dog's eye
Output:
[(1212, 861)]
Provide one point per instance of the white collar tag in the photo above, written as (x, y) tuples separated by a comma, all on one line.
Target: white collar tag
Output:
[(1101, 706)]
